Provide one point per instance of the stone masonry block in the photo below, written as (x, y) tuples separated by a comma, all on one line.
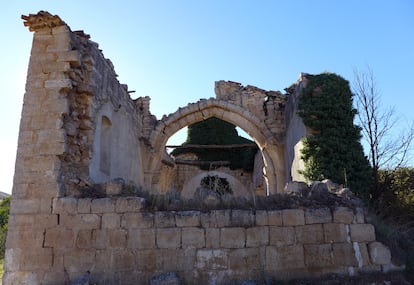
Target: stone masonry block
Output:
[(212, 259), (335, 232), (141, 238), (103, 205), (223, 218), (242, 218), (45, 221), (168, 238), (81, 221), (257, 236), (100, 239), (59, 238), (187, 219), (212, 237), (36, 259), (147, 260), (262, 218), (60, 83), (79, 260), (164, 219), (343, 215), (309, 234), (362, 232), (84, 239), (84, 205), (232, 237), (275, 218), (208, 219), (176, 259), (379, 253), (246, 259), (111, 221), (293, 217), (137, 220), (24, 206), (318, 216), (21, 222), (193, 237), (117, 238), (24, 238), (281, 236), (129, 204), (318, 255), (344, 254), (287, 257)]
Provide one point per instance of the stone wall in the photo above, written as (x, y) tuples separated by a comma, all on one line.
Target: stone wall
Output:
[(120, 242), (80, 129)]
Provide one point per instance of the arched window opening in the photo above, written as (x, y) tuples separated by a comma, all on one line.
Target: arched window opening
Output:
[(105, 145)]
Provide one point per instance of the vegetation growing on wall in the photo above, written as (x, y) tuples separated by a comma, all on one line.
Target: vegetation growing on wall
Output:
[(214, 131), (217, 184), (334, 150), (4, 218)]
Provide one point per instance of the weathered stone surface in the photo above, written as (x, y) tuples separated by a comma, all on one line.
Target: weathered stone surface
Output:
[(281, 236), (168, 238), (262, 218), (242, 218), (187, 219), (103, 205), (141, 238), (309, 234), (343, 215), (318, 255), (137, 220), (318, 216), (129, 204), (212, 238), (59, 237), (362, 232), (111, 221), (232, 237), (164, 219), (193, 237), (293, 217), (344, 254), (257, 236), (287, 257), (274, 218), (379, 253), (246, 259), (335, 233), (213, 259)]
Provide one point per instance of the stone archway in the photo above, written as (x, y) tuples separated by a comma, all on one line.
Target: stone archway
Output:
[(272, 149)]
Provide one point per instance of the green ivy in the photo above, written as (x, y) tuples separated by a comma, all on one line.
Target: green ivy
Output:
[(334, 150), (214, 131)]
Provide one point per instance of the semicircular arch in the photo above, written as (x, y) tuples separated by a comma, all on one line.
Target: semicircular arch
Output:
[(227, 111)]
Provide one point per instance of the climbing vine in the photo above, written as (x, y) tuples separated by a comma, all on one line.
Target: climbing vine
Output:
[(334, 150)]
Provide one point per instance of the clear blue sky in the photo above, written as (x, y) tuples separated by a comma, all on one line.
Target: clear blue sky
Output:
[(173, 51)]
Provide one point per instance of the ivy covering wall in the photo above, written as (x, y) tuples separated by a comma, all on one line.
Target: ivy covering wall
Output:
[(214, 131), (334, 150)]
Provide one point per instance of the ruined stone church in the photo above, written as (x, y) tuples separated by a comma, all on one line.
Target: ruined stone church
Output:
[(85, 146)]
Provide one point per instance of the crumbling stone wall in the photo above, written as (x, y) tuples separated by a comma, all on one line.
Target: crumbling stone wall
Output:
[(80, 129)]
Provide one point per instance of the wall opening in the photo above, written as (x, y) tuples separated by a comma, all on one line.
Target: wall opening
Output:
[(105, 146)]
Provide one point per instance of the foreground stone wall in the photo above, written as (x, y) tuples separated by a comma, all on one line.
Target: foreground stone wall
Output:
[(120, 242)]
